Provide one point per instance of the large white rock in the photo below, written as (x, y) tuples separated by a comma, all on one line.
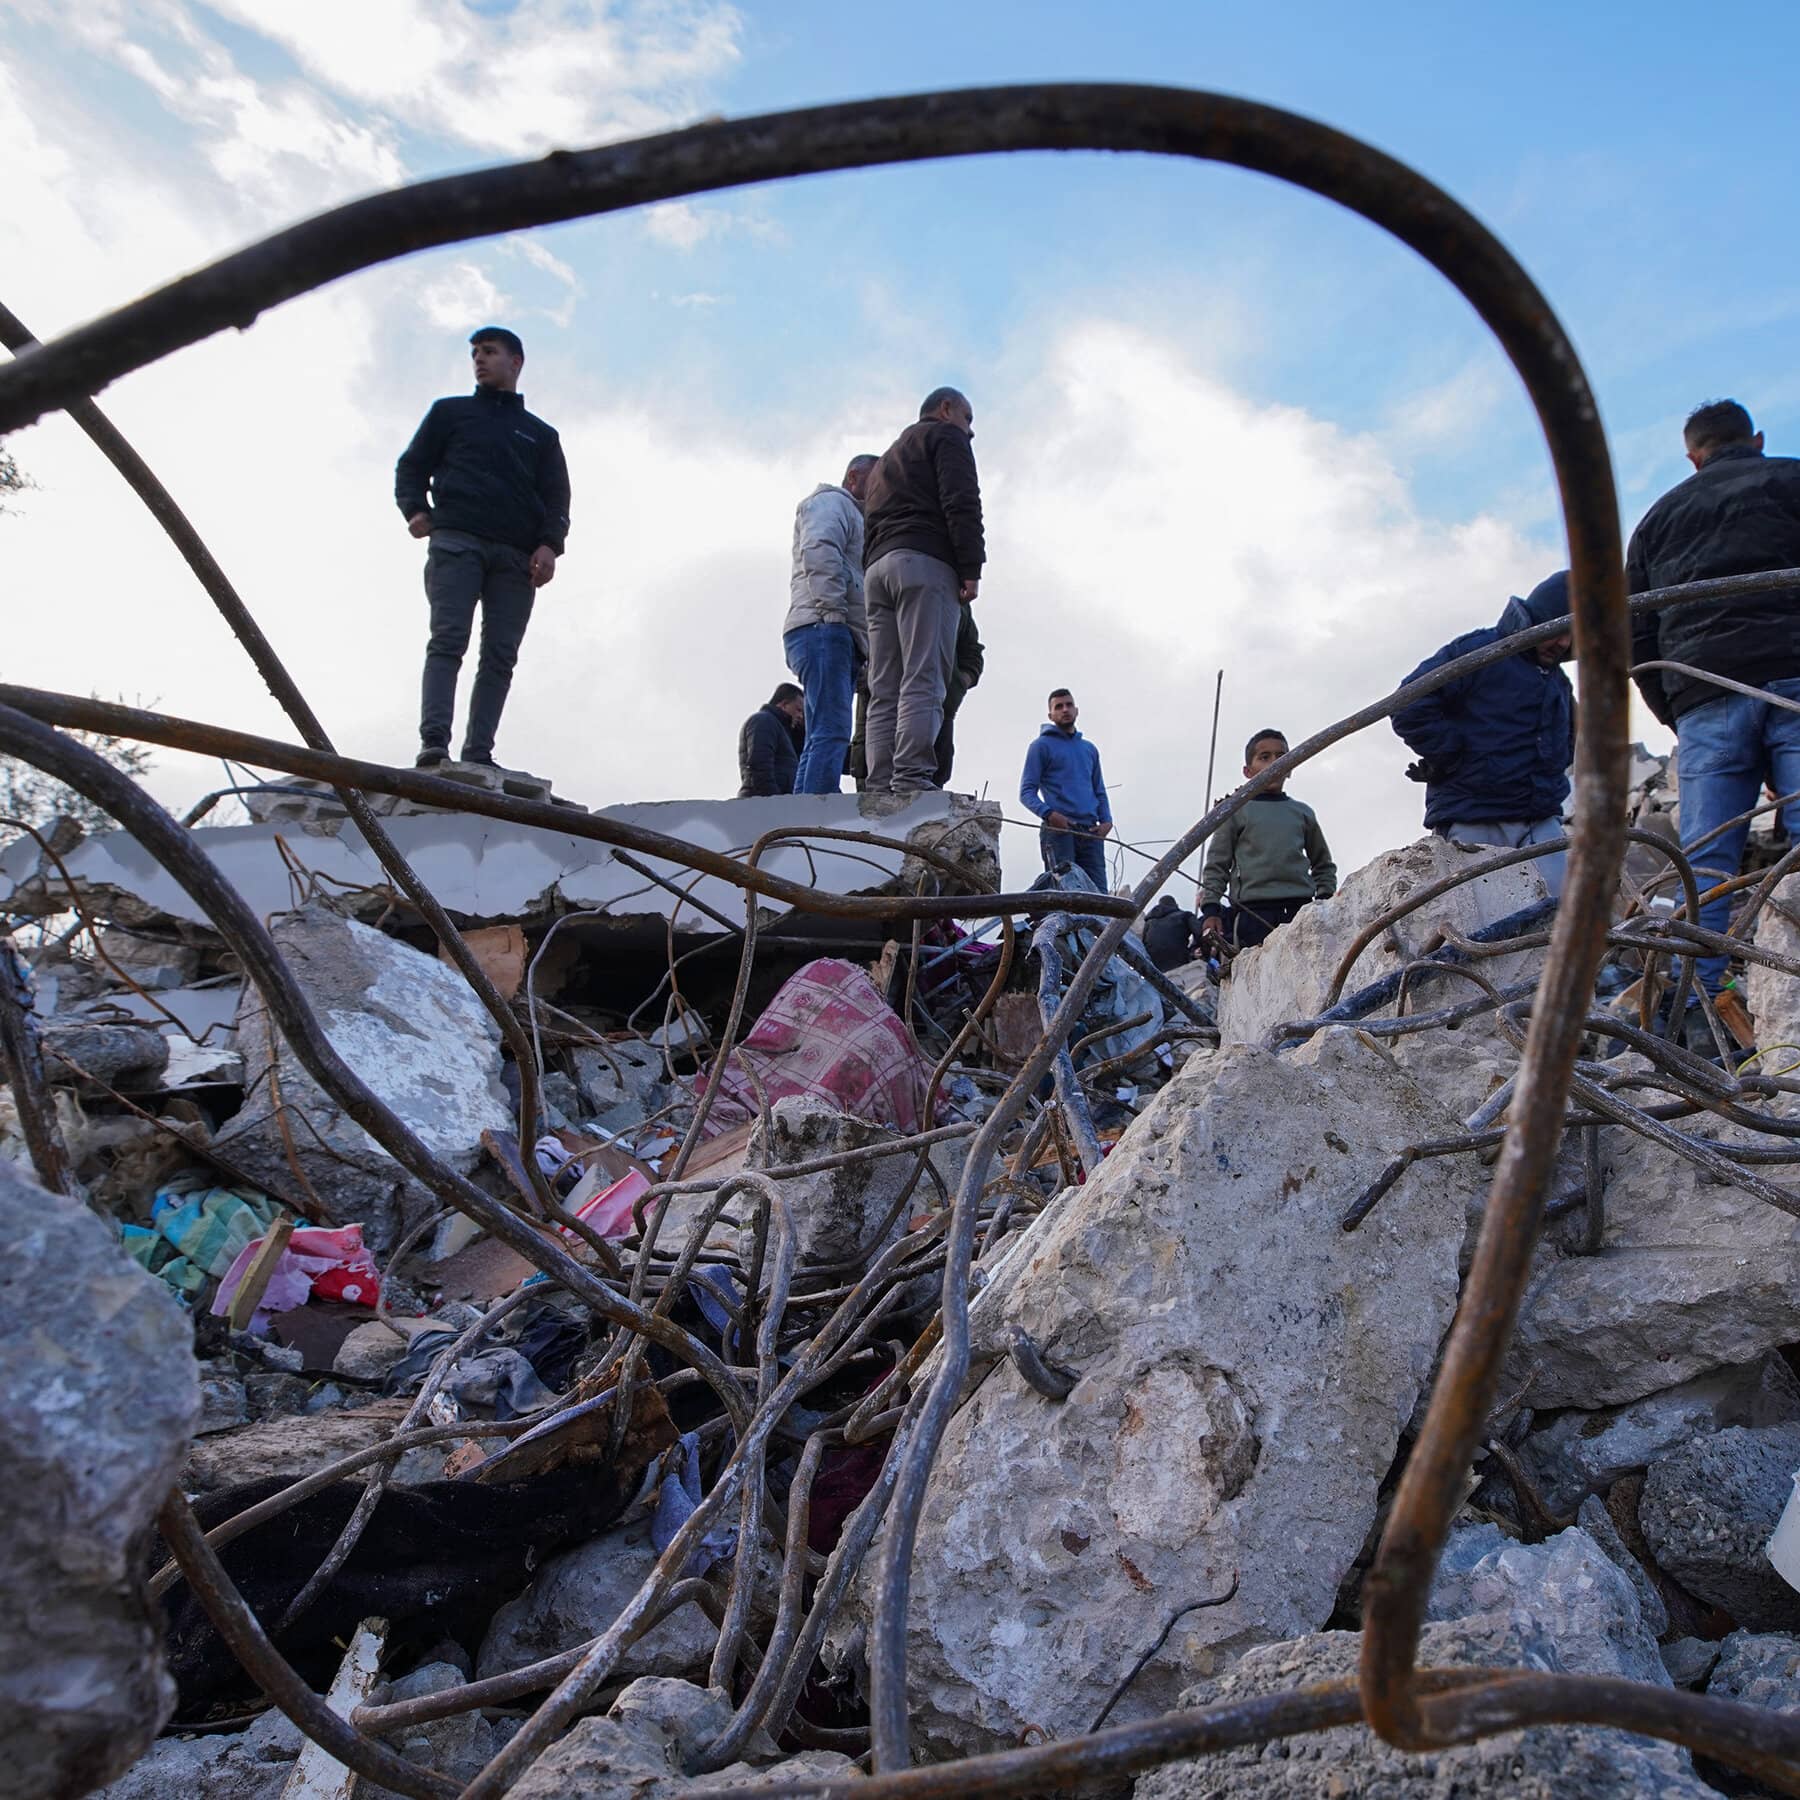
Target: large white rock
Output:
[(1691, 1275), (1289, 976), (412, 1028), (100, 1395), (1246, 1368)]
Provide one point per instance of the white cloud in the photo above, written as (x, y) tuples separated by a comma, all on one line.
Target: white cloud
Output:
[(462, 298), (542, 73)]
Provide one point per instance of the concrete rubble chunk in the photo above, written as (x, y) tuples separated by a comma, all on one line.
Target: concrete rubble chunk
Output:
[(254, 1764), (1559, 1605), (129, 1056), (1760, 1668), (1290, 976), (1707, 1511), (1245, 1370), (460, 1746), (652, 1732), (1597, 1522), (1692, 1275), (577, 1594), (1689, 1661), (1774, 998), (295, 1445), (412, 1028), (836, 1213), (1567, 1597), (100, 1397), (1577, 1452)]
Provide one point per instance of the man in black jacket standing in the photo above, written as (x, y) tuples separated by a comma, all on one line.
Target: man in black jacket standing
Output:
[(1737, 514), (485, 480), (922, 555)]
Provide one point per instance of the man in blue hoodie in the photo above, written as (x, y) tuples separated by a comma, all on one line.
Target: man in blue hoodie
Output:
[(1063, 786), (1494, 747)]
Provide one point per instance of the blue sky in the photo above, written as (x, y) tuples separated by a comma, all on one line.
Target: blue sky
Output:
[(1219, 422)]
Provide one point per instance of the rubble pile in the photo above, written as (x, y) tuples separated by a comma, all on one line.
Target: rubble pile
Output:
[(564, 1454)]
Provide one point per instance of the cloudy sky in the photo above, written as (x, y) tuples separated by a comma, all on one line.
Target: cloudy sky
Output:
[(1219, 424)]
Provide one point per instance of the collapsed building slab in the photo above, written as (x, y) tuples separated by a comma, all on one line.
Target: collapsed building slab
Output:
[(487, 871)]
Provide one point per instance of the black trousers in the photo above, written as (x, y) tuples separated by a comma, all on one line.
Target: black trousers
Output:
[(1251, 921), (462, 571)]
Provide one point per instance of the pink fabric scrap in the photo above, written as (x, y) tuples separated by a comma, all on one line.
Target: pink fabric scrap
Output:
[(332, 1264), (829, 1033)]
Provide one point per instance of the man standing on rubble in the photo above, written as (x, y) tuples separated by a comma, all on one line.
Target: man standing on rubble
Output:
[(1494, 747), (1063, 786), (1737, 514), (485, 480), (826, 634), (923, 552)]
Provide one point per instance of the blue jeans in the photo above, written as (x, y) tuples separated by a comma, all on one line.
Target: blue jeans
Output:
[(1088, 854), (823, 659), (1515, 834), (1727, 748)]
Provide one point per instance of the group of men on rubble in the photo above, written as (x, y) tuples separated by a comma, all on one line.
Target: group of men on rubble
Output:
[(880, 635)]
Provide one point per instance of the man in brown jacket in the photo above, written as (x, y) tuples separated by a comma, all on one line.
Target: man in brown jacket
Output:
[(922, 558)]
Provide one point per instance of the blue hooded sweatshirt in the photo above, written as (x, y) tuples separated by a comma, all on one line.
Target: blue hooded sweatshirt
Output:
[(1498, 742), (1062, 774)]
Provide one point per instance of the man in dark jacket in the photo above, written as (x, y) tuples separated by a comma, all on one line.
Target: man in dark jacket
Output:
[(1171, 934), (1737, 514), (770, 743), (485, 480), (1494, 747), (922, 557)]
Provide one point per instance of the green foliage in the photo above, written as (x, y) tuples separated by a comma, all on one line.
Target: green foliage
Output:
[(28, 796)]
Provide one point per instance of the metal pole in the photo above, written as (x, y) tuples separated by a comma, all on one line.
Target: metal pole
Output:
[(1213, 748)]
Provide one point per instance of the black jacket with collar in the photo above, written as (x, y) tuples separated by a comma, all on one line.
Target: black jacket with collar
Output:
[(924, 495), (768, 752), (1737, 515), (493, 469)]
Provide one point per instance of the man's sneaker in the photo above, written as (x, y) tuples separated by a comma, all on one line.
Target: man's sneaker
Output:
[(430, 756), (479, 762)]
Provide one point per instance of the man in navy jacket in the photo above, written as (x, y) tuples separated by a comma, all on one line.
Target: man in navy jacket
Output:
[(485, 480), (1494, 747), (1063, 786)]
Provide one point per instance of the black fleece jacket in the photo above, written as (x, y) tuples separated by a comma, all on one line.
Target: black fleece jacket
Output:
[(493, 470), (1738, 515), (924, 495)]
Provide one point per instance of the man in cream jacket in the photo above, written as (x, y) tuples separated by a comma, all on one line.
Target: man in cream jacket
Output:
[(826, 636)]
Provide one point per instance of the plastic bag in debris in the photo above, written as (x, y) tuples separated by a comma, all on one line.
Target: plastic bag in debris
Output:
[(318, 1264), (197, 1231), (676, 1500), (1121, 993)]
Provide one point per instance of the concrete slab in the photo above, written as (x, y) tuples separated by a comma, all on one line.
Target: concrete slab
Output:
[(486, 871)]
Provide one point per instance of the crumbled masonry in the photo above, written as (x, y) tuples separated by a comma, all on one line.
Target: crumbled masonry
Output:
[(1191, 1390), (628, 1326)]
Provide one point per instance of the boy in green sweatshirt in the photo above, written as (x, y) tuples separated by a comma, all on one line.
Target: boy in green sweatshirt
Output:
[(1270, 856)]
